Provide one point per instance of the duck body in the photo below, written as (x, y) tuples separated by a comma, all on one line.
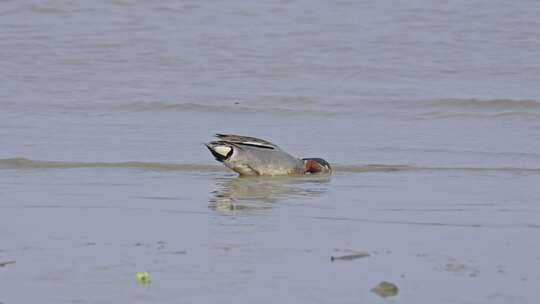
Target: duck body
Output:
[(253, 156)]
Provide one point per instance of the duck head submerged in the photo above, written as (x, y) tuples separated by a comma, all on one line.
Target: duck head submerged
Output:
[(251, 156), (317, 165)]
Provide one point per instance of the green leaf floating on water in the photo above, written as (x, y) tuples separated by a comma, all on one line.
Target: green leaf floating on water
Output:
[(385, 289), (143, 277)]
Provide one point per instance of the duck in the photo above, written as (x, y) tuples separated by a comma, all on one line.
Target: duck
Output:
[(251, 156)]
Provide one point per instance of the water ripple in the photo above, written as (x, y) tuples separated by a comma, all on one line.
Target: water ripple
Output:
[(30, 164)]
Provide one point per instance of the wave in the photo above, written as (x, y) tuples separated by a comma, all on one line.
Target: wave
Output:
[(236, 107), (393, 168), (46, 9), (468, 115), (159, 106), (297, 104), (24, 163), (29, 164), (525, 109), (483, 104)]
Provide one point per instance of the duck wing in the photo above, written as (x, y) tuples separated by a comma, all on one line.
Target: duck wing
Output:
[(247, 141)]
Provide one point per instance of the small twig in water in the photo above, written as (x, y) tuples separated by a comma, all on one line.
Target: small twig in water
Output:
[(349, 257), (2, 264)]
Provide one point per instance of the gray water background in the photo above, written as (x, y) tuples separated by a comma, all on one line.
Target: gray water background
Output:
[(428, 110)]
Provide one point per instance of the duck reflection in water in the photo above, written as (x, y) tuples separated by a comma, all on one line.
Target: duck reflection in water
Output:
[(259, 193)]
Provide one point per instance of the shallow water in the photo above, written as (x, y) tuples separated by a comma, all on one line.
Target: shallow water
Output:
[(80, 234), (429, 113)]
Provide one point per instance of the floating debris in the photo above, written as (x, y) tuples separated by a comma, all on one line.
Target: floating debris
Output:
[(3, 264), (455, 267), (143, 277), (350, 257), (141, 244), (161, 245), (385, 289), (460, 268)]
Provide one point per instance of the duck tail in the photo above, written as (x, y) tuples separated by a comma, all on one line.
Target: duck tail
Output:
[(220, 150)]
